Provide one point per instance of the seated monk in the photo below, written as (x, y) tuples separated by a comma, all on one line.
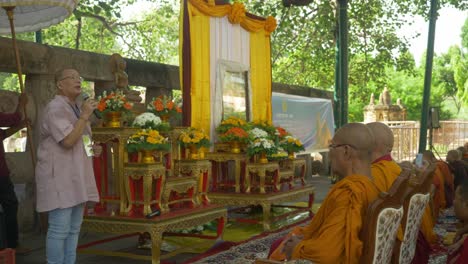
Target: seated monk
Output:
[(458, 252), (332, 236), (384, 169)]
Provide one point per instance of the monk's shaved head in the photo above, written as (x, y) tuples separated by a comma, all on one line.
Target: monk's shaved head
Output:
[(453, 155), (383, 139), (358, 136)]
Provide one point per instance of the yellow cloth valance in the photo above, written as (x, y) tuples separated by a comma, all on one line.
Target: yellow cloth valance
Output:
[(236, 14), (197, 85)]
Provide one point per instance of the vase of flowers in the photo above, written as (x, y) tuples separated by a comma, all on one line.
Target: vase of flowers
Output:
[(262, 147), (150, 121), (112, 106), (147, 141), (291, 145), (164, 107), (194, 139), (235, 136)]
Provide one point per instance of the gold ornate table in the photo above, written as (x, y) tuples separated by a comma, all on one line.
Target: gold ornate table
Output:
[(115, 138), (266, 201), (150, 173), (288, 171), (169, 222), (260, 169), (221, 157), (201, 169)]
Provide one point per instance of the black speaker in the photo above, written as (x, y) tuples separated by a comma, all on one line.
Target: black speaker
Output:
[(433, 117)]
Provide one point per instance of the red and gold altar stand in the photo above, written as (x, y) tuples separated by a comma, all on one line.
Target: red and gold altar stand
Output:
[(139, 189), (288, 169), (157, 227), (109, 167), (258, 184)]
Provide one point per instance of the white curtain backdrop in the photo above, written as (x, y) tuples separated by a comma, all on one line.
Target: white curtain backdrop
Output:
[(228, 42)]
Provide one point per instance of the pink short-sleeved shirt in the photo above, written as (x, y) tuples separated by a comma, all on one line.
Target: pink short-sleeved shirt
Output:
[(64, 177)]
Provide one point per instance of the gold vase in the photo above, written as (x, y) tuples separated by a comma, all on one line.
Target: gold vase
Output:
[(290, 155), (147, 156), (113, 119), (235, 147), (193, 155), (262, 158), (165, 118)]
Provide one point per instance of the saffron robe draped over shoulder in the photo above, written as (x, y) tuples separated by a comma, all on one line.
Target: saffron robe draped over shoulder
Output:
[(332, 236), (448, 180), (439, 195), (385, 173)]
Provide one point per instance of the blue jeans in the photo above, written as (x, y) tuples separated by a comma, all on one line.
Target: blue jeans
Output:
[(62, 234)]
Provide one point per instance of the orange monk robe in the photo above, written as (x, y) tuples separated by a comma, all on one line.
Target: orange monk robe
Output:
[(385, 171), (332, 236), (439, 193), (448, 180)]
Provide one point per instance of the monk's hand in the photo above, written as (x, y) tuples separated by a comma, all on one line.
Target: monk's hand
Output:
[(461, 233), (291, 244)]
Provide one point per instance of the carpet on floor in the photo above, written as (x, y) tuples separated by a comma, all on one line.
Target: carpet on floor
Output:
[(245, 251)]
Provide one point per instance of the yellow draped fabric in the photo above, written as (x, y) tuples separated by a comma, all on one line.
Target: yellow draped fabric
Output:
[(332, 236), (200, 12)]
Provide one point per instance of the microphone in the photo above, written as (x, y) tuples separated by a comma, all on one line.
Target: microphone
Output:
[(85, 97), (153, 214)]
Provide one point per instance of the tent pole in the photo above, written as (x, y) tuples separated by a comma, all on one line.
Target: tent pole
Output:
[(428, 76)]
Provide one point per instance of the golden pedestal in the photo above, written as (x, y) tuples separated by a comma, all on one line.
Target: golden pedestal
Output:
[(151, 173), (222, 157), (200, 169), (260, 170), (155, 227), (114, 139), (265, 200)]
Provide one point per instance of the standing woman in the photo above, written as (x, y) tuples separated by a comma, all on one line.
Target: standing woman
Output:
[(64, 173)]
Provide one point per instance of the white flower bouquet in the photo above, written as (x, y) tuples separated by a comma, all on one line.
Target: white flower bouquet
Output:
[(150, 121), (261, 145), (258, 133)]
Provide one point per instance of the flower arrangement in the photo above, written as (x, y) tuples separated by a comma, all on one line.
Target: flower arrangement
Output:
[(261, 145), (113, 102), (193, 136), (281, 132), (229, 123), (291, 144), (147, 139), (265, 126), (258, 133), (235, 134), (164, 106), (150, 121)]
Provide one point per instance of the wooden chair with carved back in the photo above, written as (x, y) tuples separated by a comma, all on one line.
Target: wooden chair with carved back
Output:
[(382, 220), (418, 198)]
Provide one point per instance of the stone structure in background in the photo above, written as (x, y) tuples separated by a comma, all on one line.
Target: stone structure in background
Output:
[(384, 110)]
